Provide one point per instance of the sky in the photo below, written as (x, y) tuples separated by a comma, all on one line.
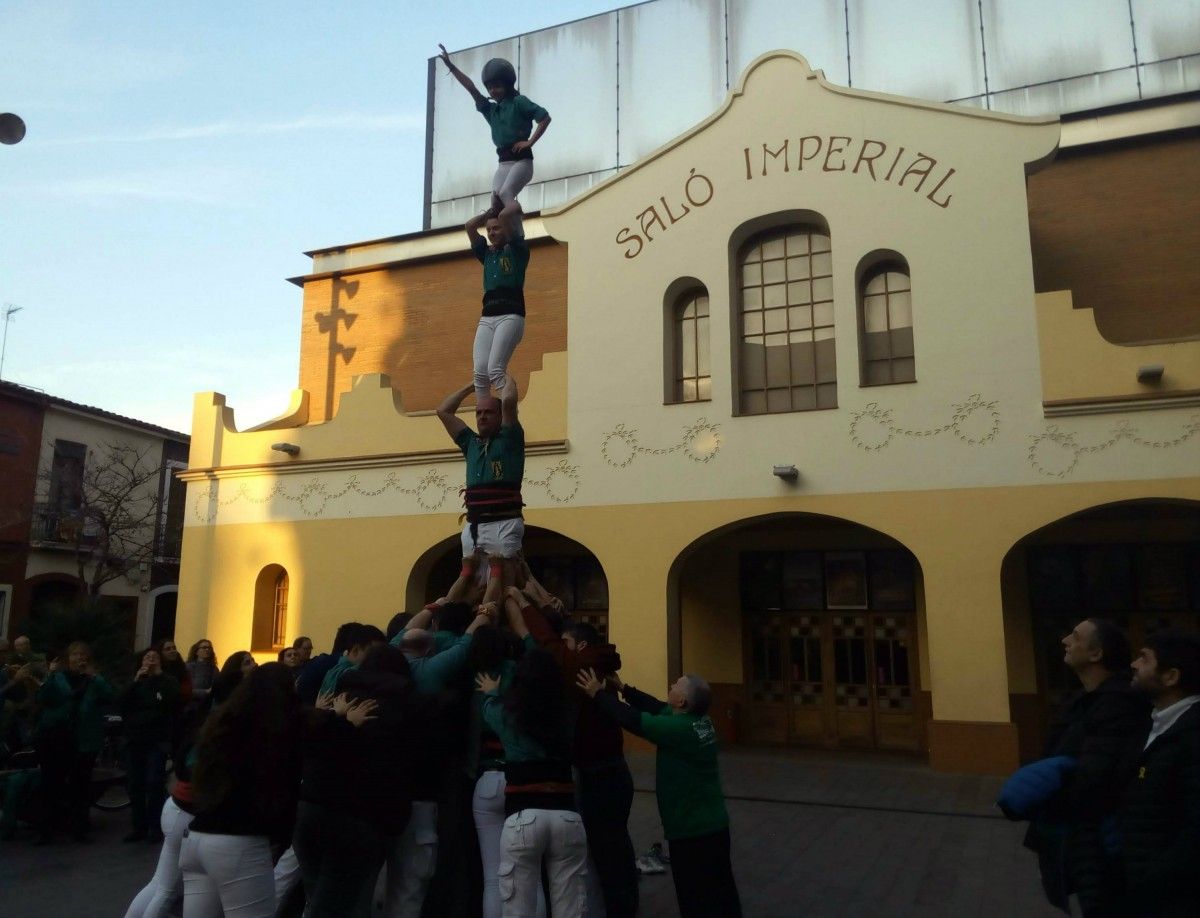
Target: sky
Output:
[(179, 159)]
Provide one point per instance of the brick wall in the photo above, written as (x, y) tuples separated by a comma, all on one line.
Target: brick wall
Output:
[(416, 323), (1119, 225)]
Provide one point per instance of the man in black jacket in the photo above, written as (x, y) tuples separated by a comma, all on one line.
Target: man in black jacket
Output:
[(1096, 728), (1159, 816)]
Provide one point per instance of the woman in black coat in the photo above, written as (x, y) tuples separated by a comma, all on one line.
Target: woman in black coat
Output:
[(148, 708)]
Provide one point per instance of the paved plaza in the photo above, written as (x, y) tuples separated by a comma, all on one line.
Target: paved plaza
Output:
[(814, 834)]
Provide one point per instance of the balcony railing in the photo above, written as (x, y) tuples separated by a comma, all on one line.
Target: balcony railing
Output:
[(60, 525)]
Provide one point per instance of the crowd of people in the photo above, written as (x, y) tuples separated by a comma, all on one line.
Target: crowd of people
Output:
[(468, 759)]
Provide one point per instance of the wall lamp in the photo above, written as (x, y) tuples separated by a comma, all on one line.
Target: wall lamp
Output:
[(1150, 373), (788, 473), (290, 448)]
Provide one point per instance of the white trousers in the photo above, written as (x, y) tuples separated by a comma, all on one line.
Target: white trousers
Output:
[(159, 894), (501, 538), (411, 862), (531, 837), (488, 806), (510, 178), (227, 875), (286, 875), (496, 338)]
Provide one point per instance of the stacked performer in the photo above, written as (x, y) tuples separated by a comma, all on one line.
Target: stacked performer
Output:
[(511, 116), (502, 323), (495, 466)]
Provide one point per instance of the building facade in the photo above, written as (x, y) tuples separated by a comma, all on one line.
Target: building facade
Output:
[(52, 451), (847, 401)]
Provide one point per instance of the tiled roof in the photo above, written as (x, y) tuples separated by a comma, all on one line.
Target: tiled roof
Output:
[(37, 395)]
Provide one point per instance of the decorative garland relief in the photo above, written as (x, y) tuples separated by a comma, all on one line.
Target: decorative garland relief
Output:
[(561, 484), (1056, 452), (701, 442), (975, 422)]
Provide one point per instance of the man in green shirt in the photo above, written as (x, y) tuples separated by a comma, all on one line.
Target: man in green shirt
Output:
[(688, 785), (495, 467)]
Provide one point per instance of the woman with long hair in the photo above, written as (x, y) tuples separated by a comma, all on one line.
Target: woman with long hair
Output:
[(230, 677), (202, 669), (542, 825), (174, 665), (246, 784), (69, 735), (148, 707), (356, 795)]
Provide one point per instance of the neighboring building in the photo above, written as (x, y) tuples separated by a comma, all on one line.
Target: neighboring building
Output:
[(949, 333), (48, 448)]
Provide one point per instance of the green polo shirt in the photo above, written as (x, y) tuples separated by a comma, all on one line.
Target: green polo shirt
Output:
[(500, 459), (687, 780), (330, 682), (503, 268), (511, 119)]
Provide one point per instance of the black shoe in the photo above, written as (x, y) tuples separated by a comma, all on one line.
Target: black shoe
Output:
[(136, 835)]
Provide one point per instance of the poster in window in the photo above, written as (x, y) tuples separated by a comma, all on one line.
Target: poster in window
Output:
[(802, 587), (1108, 578), (892, 580), (846, 580), (759, 575), (1052, 580), (591, 585), (1162, 577), (555, 575)]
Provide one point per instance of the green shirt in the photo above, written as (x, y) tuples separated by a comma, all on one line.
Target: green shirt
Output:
[(432, 674), (511, 118), (517, 746), (690, 801), (500, 459), (329, 683), (503, 268), (83, 713)]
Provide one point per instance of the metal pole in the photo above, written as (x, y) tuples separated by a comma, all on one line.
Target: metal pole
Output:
[(9, 311)]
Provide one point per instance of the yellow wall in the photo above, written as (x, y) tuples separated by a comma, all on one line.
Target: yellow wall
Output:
[(359, 568)]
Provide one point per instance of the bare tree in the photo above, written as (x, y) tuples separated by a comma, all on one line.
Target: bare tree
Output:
[(106, 509)]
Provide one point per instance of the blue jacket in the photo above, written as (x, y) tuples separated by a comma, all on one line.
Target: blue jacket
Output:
[(1029, 787)]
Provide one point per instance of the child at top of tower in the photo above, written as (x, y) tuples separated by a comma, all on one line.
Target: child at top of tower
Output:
[(511, 116)]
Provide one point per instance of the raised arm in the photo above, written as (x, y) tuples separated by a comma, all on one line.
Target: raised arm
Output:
[(512, 608), (421, 621), (467, 83), (508, 401), (472, 227), (447, 410)]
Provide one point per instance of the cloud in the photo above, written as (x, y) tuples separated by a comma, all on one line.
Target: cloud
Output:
[(350, 121)]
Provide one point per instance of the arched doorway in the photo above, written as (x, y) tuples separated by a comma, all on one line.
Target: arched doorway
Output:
[(567, 568), (162, 616), (52, 593), (1136, 563), (810, 625)]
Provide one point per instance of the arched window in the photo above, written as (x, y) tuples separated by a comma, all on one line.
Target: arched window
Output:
[(270, 609), (886, 325), (691, 378), (786, 360), (279, 611)]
